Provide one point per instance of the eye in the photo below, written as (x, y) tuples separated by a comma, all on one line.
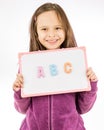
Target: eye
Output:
[(44, 29), (58, 28)]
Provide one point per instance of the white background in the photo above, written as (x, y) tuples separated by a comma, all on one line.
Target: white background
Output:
[(87, 20)]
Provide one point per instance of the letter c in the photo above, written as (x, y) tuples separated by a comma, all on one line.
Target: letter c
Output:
[(68, 67)]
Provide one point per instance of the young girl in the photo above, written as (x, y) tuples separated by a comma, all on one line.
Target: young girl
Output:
[(50, 29)]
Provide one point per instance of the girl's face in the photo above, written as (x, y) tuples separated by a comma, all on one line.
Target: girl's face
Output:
[(50, 31)]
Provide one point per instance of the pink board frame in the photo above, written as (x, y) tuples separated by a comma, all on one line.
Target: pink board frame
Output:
[(25, 57)]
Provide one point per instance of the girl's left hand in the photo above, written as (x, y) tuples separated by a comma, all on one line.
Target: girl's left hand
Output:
[(91, 75)]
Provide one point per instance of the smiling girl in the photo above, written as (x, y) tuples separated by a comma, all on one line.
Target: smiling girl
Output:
[(50, 29)]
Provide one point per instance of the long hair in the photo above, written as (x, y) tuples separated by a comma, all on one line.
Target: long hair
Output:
[(69, 35)]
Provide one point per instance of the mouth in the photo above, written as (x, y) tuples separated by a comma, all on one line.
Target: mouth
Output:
[(52, 41)]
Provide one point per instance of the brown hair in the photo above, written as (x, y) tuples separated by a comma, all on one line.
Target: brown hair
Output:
[(34, 42)]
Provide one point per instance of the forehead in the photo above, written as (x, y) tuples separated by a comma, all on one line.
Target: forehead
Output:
[(48, 17)]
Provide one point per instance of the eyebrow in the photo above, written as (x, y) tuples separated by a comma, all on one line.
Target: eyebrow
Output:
[(44, 26)]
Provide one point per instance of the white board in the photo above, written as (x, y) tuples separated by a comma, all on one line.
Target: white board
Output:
[(54, 71)]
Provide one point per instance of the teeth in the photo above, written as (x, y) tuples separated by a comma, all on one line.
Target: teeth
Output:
[(52, 40)]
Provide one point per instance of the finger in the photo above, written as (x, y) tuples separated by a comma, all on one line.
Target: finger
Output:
[(18, 83), (94, 78), (16, 86), (89, 71), (19, 78)]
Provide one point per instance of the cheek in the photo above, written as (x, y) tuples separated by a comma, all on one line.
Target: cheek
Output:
[(40, 37), (63, 36)]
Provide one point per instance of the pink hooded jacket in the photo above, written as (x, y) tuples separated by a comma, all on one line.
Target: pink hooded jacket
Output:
[(55, 112)]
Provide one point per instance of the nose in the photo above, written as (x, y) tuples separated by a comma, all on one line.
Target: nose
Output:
[(51, 33)]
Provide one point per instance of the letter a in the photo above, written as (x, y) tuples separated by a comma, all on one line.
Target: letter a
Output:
[(40, 72)]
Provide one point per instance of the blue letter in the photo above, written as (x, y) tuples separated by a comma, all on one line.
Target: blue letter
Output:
[(53, 70)]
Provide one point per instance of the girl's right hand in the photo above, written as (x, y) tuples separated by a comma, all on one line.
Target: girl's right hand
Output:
[(18, 83)]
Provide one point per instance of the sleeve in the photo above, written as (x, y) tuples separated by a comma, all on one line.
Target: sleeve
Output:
[(21, 104), (86, 100)]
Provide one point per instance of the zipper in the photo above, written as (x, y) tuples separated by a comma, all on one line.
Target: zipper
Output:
[(50, 114)]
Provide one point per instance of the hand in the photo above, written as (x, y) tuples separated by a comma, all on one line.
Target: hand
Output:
[(18, 83), (91, 75)]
